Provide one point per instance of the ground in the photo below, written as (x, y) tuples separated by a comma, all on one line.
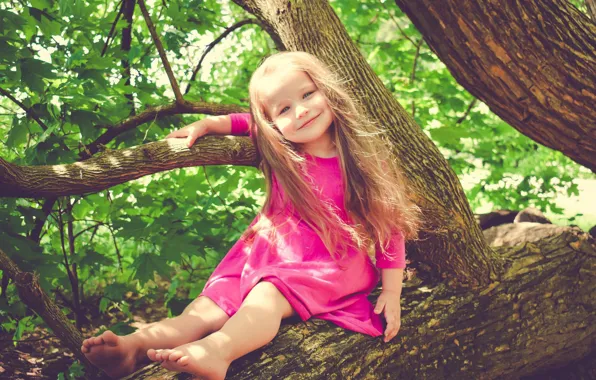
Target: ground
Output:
[(40, 355)]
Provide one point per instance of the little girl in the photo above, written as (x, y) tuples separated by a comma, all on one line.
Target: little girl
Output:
[(334, 195)]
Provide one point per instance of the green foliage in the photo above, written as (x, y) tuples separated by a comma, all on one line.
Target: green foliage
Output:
[(178, 225)]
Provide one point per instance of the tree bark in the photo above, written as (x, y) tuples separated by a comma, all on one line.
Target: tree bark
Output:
[(452, 243), (539, 315), (533, 62), (113, 167)]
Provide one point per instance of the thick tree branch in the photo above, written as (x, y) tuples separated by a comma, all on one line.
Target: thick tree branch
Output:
[(113, 167), (162, 53), (532, 62), (156, 113)]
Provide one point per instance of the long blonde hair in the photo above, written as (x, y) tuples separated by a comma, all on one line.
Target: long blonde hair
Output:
[(377, 197)]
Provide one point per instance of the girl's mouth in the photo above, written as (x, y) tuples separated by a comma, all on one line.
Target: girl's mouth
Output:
[(309, 123)]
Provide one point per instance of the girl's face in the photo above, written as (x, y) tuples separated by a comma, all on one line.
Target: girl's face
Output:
[(298, 108)]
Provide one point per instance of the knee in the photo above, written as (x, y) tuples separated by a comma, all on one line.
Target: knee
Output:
[(266, 293), (267, 289), (204, 307)]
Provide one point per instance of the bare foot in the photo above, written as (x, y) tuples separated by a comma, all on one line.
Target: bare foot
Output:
[(197, 358), (115, 355)]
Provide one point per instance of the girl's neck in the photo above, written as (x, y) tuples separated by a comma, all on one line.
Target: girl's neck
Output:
[(322, 147), (324, 153)]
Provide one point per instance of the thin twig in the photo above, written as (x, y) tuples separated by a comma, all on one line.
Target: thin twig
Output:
[(220, 198), (413, 74), (465, 115), (110, 34), (212, 44), (162, 53), (28, 110), (397, 24)]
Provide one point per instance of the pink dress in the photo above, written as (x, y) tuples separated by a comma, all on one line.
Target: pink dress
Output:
[(299, 264)]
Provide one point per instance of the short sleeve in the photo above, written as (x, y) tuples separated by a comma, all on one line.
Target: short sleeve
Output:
[(240, 124), (395, 255)]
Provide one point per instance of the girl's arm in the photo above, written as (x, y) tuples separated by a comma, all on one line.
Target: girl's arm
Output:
[(392, 265), (232, 124), (395, 256)]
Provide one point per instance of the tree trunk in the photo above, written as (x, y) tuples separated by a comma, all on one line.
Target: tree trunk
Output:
[(539, 315), (452, 244), (533, 62)]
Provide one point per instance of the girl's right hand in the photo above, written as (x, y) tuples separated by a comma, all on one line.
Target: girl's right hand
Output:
[(191, 132)]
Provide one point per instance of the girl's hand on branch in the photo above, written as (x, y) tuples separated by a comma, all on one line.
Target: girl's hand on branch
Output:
[(389, 301), (191, 132)]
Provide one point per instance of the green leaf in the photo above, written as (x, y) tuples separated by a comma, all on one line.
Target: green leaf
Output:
[(145, 265), (33, 73), (18, 133), (94, 259)]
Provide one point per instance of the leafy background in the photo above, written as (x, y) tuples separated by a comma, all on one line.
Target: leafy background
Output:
[(178, 225)]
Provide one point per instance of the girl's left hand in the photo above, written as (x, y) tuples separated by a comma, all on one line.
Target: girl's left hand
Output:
[(389, 301)]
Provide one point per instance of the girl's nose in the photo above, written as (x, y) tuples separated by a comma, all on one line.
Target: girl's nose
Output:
[(300, 111)]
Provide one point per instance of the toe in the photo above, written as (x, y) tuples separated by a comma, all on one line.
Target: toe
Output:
[(110, 338), (152, 354), (183, 361), (165, 354), (169, 366), (161, 355), (175, 355)]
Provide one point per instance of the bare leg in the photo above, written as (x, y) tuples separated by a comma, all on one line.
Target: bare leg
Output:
[(255, 324), (121, 355)]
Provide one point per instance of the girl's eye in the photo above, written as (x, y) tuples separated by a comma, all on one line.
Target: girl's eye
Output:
[(284, 110), (308, 94)]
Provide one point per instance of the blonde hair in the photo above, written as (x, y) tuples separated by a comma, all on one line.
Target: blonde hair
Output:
[(377, 198)]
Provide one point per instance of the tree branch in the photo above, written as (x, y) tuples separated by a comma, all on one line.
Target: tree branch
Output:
[(28, 110), (532, 62), (162, 53), (401, 31), (113, 167), (154, 113)]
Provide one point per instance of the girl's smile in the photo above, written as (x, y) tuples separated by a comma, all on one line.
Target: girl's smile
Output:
[(309, 122)]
